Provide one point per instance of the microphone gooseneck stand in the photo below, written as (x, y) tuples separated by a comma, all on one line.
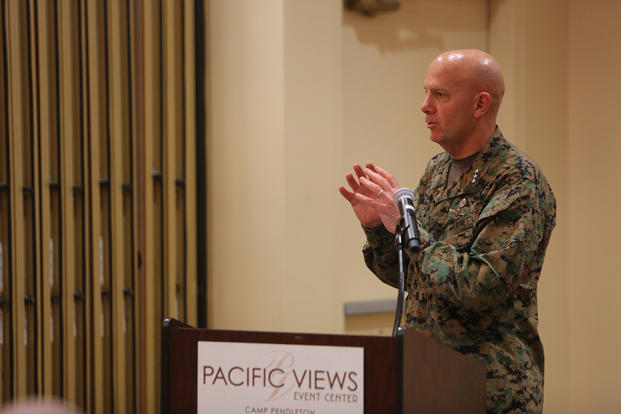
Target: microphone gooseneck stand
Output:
[(401, 246), (399, 311)]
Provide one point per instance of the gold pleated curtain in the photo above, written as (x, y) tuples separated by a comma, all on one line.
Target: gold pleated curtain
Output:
[(98, 195)]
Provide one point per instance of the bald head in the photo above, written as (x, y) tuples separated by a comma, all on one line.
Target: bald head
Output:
[(464, 89), (477, 69)]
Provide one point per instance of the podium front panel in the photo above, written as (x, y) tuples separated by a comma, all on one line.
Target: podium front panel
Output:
[(382, 363)]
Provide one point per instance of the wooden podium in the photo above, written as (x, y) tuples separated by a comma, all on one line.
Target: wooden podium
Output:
[(410, 373)]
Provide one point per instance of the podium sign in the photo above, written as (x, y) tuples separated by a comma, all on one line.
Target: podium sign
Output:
[(239, 377), (216, 371)]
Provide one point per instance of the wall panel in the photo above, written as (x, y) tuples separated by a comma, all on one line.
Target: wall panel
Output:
[(96, 110), (189, 165), (48, 129), (22, 189), (151, 274), (121, 204), (5, 227)]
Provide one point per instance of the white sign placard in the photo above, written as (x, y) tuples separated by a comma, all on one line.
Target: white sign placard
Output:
[(250, 378)]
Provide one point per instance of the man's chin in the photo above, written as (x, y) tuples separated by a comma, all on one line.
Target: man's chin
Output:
[(435, 137)]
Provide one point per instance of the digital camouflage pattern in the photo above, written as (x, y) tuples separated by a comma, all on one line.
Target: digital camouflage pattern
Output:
[(473, 285)]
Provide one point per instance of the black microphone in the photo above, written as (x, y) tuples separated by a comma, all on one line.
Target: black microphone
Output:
[(404, 198)]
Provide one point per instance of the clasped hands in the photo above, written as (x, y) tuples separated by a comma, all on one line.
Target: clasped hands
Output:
[(371, 196)]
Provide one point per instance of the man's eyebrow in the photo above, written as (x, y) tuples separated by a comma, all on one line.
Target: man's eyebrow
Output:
[(433, 90)]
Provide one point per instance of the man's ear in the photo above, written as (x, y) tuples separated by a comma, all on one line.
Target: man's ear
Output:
[(482, 104)]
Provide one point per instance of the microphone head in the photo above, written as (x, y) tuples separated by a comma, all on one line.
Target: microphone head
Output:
[(403, 192)]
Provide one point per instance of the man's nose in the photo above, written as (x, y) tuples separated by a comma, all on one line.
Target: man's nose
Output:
[(425, 106)]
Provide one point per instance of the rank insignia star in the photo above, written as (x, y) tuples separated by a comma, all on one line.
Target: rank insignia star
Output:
[(476, 176)]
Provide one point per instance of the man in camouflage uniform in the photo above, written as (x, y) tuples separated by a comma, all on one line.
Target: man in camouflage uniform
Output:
[(485, 215)]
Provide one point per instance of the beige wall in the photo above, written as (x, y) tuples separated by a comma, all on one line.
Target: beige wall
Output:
[(301, 90), (594, 230), (246, 162)]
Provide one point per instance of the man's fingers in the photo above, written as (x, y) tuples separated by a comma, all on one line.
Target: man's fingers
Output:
[(368, 184), (359, 171), (368, 192), (349, 196), (370, 189), (353, 184), (363, 201), (354, 198), (388, 176), (378, 180), (359, 186)]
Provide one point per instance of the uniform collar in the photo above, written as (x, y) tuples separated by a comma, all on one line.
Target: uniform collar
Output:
[(473, 179)]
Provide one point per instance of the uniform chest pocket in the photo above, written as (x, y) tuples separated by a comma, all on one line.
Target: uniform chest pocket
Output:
[(460, 223), (462, 240)]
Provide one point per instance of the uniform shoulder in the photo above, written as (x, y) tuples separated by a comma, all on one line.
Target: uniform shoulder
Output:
[(515, 162), (516, 168)]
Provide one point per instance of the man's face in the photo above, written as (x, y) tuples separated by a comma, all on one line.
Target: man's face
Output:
[(448, 105)]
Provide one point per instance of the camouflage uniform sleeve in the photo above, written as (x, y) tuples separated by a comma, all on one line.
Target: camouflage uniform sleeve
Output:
[(380, 255), (507, 235)]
